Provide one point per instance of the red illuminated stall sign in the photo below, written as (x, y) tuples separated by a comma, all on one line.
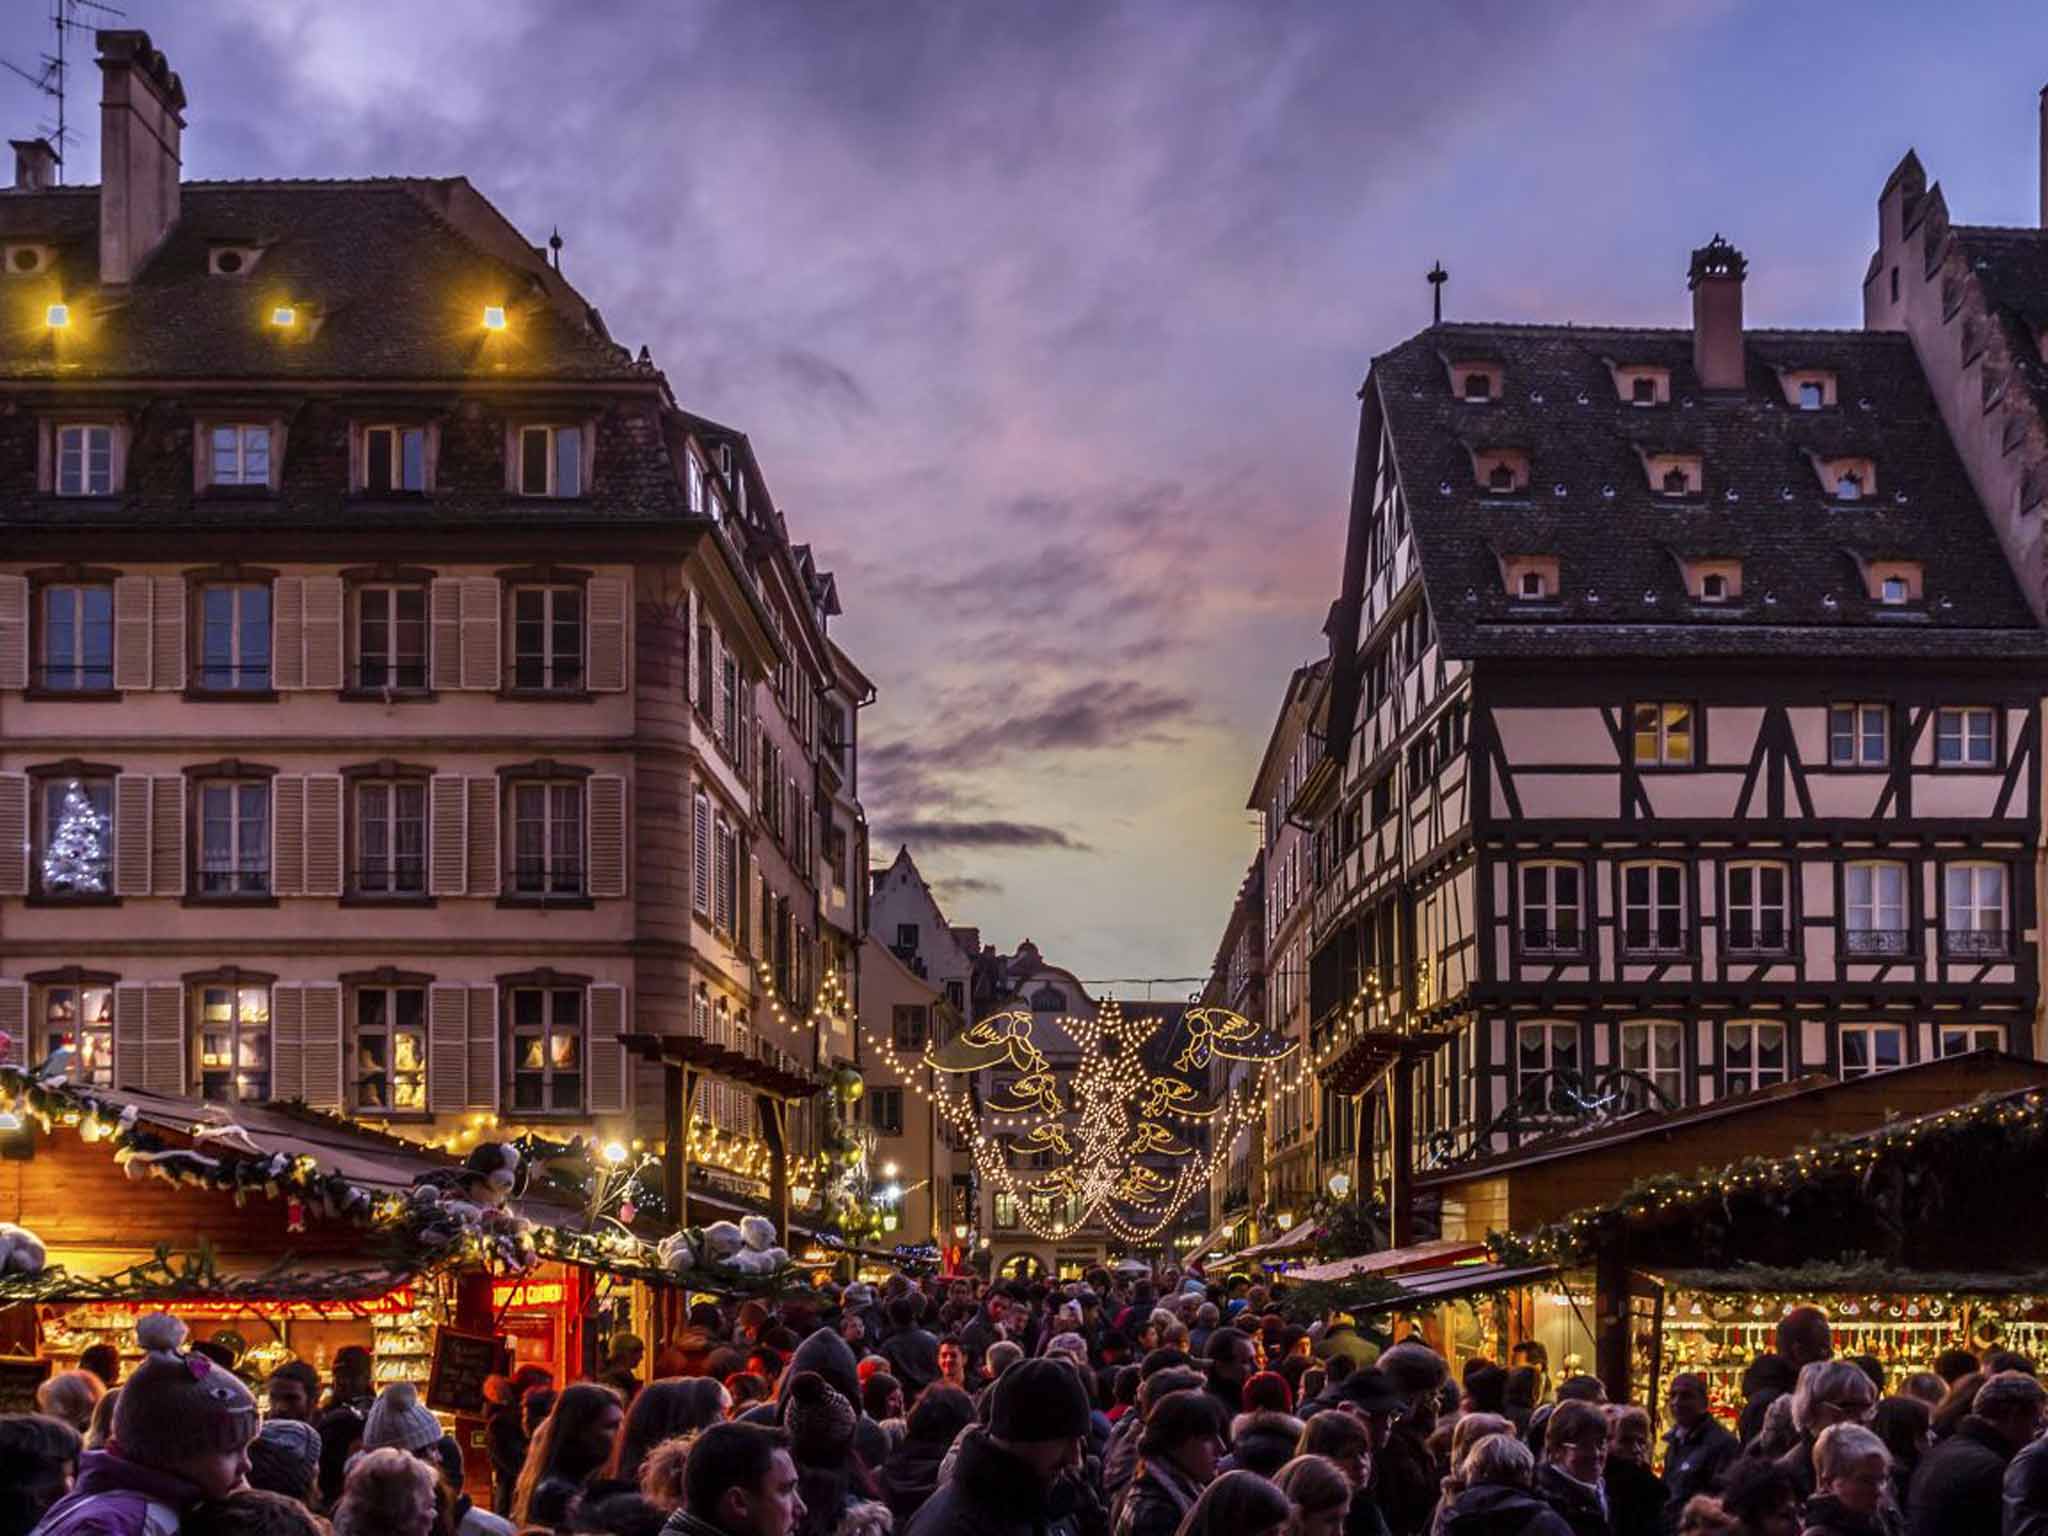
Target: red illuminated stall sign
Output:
[(527, 1293)]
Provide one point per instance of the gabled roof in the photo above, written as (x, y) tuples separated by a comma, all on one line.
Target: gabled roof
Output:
[(1589, 502)]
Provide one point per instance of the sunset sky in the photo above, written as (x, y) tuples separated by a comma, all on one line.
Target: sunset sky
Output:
[(1048, 319)]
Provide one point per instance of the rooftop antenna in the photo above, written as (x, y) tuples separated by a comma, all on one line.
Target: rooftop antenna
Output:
[(1437, 278), (49, 75)]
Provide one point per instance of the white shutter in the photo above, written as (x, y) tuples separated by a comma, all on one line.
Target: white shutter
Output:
[(288, 835), (448, 834), (718, 689), (444, 605), (447, 1048), (604, 831), (323, 1048), (14, 1023), (607, 1059), (480, 660), (167, 834), (288, 632), (167, 633), (131, 834), (134, 637), (700, 854), (481, 836), (482, 1052), (163, 1039), (131, 1003), (287, 1043), (323, 619), (608, 600), (13, 631), (323, 860), (14, 799)]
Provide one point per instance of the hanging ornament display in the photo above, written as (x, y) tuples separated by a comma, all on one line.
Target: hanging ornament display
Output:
[(75, 859)]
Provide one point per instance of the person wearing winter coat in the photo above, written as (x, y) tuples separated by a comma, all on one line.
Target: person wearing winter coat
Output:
[(1635, 1494), (911, 1474), (739, 1481), (1007, 1479), (1405, 1480), (182, 1428), (2026, 1491), (1496, 1499), (1959, 1487), (1851, 1485), (1120, 1460), (1697, 1448), (827, 1354), (1263, 1441), (1574, 1461), (834, 1482), (1177, 1457)]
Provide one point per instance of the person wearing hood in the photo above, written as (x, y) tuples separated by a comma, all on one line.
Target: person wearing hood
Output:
[(1177, 1457), (834, 1482), (911, 1474), (1009, 1479), (826, 1353), (1497, 1500)]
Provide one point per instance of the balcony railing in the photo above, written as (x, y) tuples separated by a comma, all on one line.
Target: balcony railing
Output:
[(1568, 940), (1975, 943), (400, 877), (1893, 942)]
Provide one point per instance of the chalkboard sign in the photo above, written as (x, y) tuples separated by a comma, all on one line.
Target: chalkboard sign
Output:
[(18, 1382), (462, 1363)]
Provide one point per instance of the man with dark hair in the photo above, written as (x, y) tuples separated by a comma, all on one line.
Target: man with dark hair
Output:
[(912, 1353), (1698, 1450), (985, 1328), (740, 1480), (291, 1392), (1804, 1337), (1957, 1488), (1008, 1479), (104, 1361), (1952, 1365), (1232, 1361)]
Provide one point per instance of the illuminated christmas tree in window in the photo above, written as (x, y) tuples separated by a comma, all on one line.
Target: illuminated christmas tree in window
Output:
[(75, 858)]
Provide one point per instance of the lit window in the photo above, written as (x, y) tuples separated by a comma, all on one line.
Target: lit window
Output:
[(1848, 486), (547, 839), (494, 317), (547, 1048), (85, 461), (234, 838), (1974, 923), (551, 461), (1532, 586), (1868, 1048), (547, 638), (241, 455), (395, 459), (1812, 394), (1965, 738), (1663, 735), (1653, 908), (1542, 1049), (76, 853), (1652, 1049), (1875, 917), (234, 1044), (234, 641), (1752, 1057), (1643, 390), (1759, 908), (83, 1019), (1892, 590), (391, 1049), (1859, 735), (1713, 588), (391, 839), (1551, 922), (78, 638)]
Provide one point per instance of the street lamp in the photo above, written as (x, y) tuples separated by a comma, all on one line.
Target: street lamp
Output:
[(1340, 1186)]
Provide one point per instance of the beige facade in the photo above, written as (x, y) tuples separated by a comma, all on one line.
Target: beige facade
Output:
[(913, 1144)]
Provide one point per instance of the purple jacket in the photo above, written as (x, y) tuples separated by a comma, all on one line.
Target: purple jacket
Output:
[(117, 1497)]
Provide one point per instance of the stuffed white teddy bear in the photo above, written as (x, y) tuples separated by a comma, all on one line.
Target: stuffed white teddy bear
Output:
[(21, 1251), (721, 1241), (676, 1252), (759, 1233)]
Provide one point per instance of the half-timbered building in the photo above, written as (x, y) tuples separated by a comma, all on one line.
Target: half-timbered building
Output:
[(1682, 733)]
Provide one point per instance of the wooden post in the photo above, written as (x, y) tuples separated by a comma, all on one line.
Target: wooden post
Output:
[(773, 1128), (1400, 1152), (679, 1093), (1611, 1316)]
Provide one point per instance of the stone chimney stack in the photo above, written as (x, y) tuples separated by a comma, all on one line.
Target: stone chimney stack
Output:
[(141, 118), (35, 164), (1716, 283)]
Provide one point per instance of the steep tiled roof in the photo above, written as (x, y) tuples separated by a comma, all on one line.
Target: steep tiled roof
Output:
[(2012, 267), (1619, 545), (390, 279)]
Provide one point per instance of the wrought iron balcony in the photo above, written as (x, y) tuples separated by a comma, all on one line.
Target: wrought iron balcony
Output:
[(1567, 940), (1975, 943), (1889, 942)]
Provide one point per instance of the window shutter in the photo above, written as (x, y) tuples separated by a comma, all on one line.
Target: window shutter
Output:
[(447, 871), (608, 663), (604, 825), (14, 1023), (323, 1069), (323, 611), (444, 604), (163, 1040), (13, 834), (288, 632), (480, 633), (131, 834), (607, 1081), (482, 1052), (447, 1048), (482, 837), (288, 835), (718, 690), (700, 855), (287, 1043), (689, 618), (323, 834), (13, 631), (130, 1003), (167, 834), (167, 633), (722, 851), (134, 608)]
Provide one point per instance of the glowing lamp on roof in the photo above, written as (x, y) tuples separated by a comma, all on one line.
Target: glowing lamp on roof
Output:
[(284, 316), (57, 316), (494, 317)]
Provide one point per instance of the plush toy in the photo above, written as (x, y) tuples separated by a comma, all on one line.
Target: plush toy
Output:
[(758, 1232), (677, 1252), (161, 1334), (721, 1241), (493, 1173), (21, 1251), (749, 1261)]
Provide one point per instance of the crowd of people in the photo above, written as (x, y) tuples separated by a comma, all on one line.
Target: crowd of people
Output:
[(1112, 1406)]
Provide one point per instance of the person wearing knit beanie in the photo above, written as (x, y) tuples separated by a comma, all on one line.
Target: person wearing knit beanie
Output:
[(820, 1420), (399, 1419)]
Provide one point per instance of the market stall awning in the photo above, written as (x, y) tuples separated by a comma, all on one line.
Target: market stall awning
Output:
[(707, 1056), (1292, 1243), (259, 1285), (1393, 1262), (1430, 1286), (1210, 1239)]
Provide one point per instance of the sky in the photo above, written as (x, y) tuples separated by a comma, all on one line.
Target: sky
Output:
[(1048, 319)]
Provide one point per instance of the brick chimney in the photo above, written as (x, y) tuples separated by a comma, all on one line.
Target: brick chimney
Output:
[(1716, 283), (141, 107), (35, 164)]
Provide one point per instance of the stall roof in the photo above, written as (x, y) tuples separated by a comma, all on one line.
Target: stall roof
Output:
[(719, 1061), (1448, 1284), (287, 1284), (1394, 1262), (1210, 1239)]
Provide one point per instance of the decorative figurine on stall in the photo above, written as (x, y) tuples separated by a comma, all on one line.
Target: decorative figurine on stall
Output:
[(21, 1251)]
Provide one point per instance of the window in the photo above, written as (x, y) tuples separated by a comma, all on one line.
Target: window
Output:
[(391, 838), (912, 1021), (85, 461), (78, 638), (1876, 908), (906, 937), (1501, 478), (1868, 1048), (234, 641), (234, 838), (76, 856), (547, 1048), (1859, 735), (1478, 386), (1541, 1048), (1653, 1049), (551, 461), (547, 638), (81, 1018), (547, 838), (1551, 912), (1676, 482), (1974, 923), (1714, 588), (1752, 1057), (240, 455), (1006, 1209), (1960, 1040), (1848, 486), (1663, 735), (1759, 908), (1965, 738), (729, 720), (885, 1111), (1893, 589), (1643, 390), (1653, 908), (395, 459), (1532, 585), (234, 1044), (1382, 799), (391, 637), (1812, 394), (391, 1049)]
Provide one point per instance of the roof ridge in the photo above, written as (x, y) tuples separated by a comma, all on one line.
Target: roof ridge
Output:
[(1566, 327)]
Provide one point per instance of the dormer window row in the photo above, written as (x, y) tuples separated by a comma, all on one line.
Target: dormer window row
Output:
[(1530, 578), (1675, 476), (1501, 471), (1846, 478), (1808, 389), (1641, 384), (1477, 381)]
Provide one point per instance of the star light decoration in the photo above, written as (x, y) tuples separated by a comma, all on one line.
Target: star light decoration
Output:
[(1108, 1120)]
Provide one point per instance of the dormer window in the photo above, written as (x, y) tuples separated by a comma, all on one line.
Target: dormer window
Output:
[(26, 260), (1848, 486), (1478, 387), (1893, 583), (1812, 394), (1675, 483), (1674, 475), (1532, 589), (1807, 389), (1846, 479), (1643, 391), (1714, 588), (1892, 589), (1641, 384), (1475, 380), (233, 260), (1501, 471), (1713, 581), (1502, 478), (1529, 578)]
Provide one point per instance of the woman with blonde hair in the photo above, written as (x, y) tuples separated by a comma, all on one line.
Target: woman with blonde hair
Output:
[(388, 1492), (1470, 1429), (1318, 1496)]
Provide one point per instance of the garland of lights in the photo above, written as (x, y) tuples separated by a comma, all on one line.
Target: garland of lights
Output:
[(1110, 1116)]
